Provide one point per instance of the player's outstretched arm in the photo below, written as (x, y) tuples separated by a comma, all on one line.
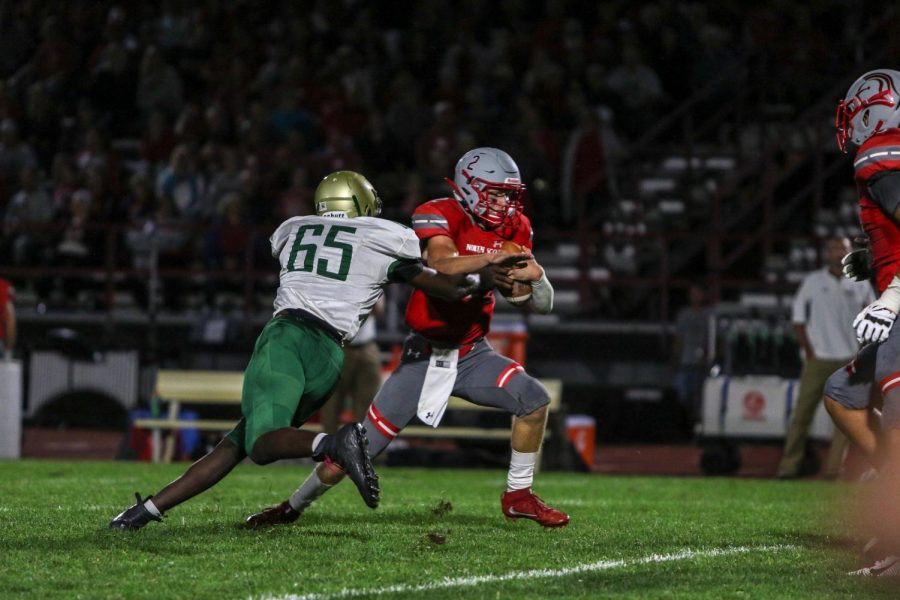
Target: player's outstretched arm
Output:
[(447, 287), (442, 255), (462, 285)]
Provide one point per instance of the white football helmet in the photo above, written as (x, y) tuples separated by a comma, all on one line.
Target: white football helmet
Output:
[(482, 171), (871, 106)]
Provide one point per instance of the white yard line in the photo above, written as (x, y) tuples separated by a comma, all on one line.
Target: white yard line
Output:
[(603, 565)]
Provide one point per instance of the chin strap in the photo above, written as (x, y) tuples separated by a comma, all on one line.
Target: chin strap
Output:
[(542, 295)]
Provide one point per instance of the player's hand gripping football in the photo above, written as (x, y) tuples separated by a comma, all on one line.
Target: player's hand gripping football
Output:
[(496, 274), (873, 323), (857, 264), (500, 262), (513, 263), (509, 260), (530, 271)]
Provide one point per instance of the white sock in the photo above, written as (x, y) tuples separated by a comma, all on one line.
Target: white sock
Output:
[(521, 470), (308, 492), (317, 440), (148, 504)]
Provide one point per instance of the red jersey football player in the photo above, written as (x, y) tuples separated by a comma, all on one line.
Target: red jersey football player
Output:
[(447, 353), (869, 117)]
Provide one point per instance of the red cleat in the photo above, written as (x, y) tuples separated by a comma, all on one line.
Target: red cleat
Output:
[(282, 514), (525, 504)]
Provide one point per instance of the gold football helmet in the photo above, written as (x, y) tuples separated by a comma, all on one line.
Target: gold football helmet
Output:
[(346, 194)]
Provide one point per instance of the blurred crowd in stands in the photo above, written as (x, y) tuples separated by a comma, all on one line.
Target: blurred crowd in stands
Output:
[(225, 114)]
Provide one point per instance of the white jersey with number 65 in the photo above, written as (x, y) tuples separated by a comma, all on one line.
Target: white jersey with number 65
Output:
[(337, 268)]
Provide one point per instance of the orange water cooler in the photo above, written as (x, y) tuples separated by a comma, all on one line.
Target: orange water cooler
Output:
[(581, 430)]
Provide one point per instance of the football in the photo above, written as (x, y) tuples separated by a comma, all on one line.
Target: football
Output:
[(521, 291)]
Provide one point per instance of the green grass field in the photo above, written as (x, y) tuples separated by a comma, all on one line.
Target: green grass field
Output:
[(636, 537)]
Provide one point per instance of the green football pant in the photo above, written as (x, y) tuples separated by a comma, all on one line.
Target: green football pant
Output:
[(293, 370)]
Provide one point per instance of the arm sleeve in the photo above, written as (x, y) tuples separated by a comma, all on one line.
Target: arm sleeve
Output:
[(404, 270), (884, 188), (542, 295)]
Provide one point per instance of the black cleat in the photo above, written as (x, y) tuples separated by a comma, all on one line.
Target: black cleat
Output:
[(132, 519), (347, 448)]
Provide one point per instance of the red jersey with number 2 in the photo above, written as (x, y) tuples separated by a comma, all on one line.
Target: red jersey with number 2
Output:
[(462, 321), (878, 154)]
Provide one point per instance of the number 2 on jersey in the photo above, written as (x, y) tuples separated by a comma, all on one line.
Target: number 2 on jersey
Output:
[(309, 250)]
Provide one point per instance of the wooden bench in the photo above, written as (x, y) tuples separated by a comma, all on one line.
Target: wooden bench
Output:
[(176, 388)]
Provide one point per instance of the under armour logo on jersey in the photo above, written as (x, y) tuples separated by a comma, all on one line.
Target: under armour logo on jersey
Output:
[(429, 414), (414, 354)]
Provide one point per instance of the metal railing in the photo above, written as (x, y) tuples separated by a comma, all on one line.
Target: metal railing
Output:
[(756, 199)]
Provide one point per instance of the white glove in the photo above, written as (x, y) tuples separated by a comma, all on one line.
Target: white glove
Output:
[(873, 323)]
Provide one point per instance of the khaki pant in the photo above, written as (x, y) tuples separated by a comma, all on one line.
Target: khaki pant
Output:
[(360, 381), (812, 381)]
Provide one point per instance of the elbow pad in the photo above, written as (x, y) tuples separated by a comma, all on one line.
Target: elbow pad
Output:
[(542, 295)]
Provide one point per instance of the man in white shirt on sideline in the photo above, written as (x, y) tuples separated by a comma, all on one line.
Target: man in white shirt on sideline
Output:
[(824, 308)]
